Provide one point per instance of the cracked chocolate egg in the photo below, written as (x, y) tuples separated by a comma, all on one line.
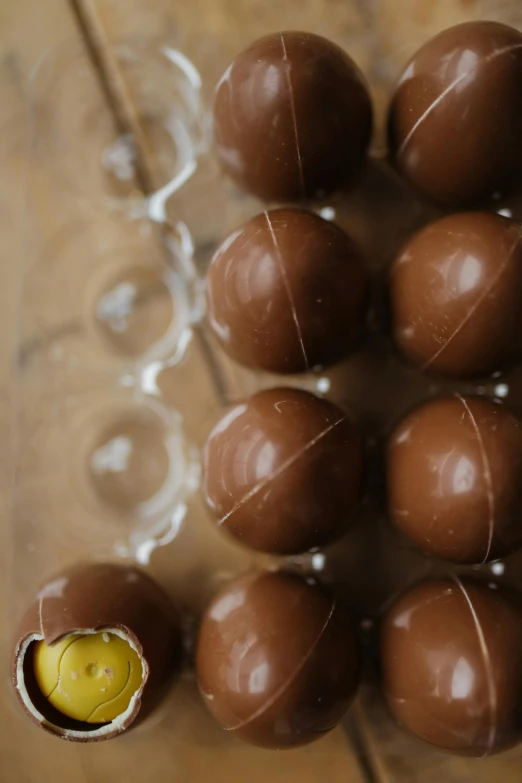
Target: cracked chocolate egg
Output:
[(451, 652), (277, 660), (286, 292), (292, 117), (96, 651), (455, 289), (91, 678), (455, 120), (454, 476), (283, 471)]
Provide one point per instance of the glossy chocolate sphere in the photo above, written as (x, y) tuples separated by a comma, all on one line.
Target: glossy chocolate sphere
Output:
[(277, 660), (292, 117), (455, 479), (456, 289), (455, 120), (452, 666), (287, 292), (283, 471)]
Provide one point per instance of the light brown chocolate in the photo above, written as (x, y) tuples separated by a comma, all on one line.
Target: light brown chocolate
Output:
[(283, 471), (287, 292), (292, 117), (451, 654), (455, 290), (455, 120), (277, 660), (454, 477)]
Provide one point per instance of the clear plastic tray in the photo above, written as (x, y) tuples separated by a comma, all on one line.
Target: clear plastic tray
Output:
[(119, 381)]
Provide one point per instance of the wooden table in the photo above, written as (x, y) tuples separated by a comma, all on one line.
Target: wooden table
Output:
[(369, 748)]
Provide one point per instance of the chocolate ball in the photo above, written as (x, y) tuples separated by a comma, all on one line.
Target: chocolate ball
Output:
[(292, 117), (277, 660), (455, 120), (287, 292), (455, 479), (283, 471), (456, 289), (452, 665)]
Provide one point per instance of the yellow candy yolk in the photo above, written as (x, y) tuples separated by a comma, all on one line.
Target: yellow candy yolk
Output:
[(90, 678)]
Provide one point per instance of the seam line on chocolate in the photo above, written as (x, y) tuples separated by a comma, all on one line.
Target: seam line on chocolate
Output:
[(287, 288), (450, 88), (487, 477), (285, 465), (290, 88), (487, 667), (282, 688), (473, 309)]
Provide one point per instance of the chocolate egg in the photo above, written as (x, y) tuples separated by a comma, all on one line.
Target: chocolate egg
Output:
[(451, 663), (456, 289), (292, 117), (95, 634), (454, 471), (283, 471), (277, 660), (455, 120), (287, 292)]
